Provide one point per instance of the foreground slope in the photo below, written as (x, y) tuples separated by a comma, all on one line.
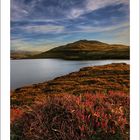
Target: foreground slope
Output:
[(91, 104), (88, 79), (87, 50)]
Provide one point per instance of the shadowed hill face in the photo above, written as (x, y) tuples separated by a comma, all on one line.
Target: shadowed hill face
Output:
[(87, 50)]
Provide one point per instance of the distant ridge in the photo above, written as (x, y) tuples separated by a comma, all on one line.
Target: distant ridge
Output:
[(87, 50), (17, 54)]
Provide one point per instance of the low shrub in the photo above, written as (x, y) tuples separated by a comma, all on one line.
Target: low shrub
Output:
[(69, 117)]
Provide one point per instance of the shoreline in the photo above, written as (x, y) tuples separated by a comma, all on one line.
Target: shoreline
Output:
[(95, 78), (71, 59), (47, 78)]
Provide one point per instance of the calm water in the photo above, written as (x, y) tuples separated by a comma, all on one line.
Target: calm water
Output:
[(26, 72)]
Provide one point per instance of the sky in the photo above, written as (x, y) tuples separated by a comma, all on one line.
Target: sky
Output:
[(40, 25)]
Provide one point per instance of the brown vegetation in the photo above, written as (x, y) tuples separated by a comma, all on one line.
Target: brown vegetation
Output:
[(87, 50), (92, 104)]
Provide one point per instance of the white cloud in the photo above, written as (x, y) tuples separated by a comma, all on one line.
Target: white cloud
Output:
[(92, 5), (75, 13), (20, 10), (92, 29), (96, 4), (42, 28), (17, 10)]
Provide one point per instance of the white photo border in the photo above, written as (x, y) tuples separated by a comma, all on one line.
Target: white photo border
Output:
[(5, 70), (134, 70)]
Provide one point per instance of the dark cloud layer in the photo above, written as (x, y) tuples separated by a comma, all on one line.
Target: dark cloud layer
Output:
[(43, 9)]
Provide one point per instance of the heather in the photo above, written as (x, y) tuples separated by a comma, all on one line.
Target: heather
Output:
[(65, 116), (112, 77), (92, 104)]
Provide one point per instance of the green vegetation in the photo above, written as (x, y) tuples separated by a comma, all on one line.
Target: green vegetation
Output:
[(92, 104), (87, 50)]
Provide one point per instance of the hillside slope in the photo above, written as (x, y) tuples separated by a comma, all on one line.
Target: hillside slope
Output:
[(89, 79), (92, 104), (87, 50)]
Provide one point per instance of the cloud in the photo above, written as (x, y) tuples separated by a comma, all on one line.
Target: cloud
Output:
[(57, 9), (97, 4), (110, 34), (42, 9), (35, 23), (42, 29), (75, 13), (92, 5), (34, 33), (104, 29)]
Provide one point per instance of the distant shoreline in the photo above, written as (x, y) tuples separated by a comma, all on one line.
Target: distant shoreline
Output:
[(71, 59), (80, 50)]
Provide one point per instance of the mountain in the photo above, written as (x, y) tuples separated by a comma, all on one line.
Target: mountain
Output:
[(87, 50), (14, 54)]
